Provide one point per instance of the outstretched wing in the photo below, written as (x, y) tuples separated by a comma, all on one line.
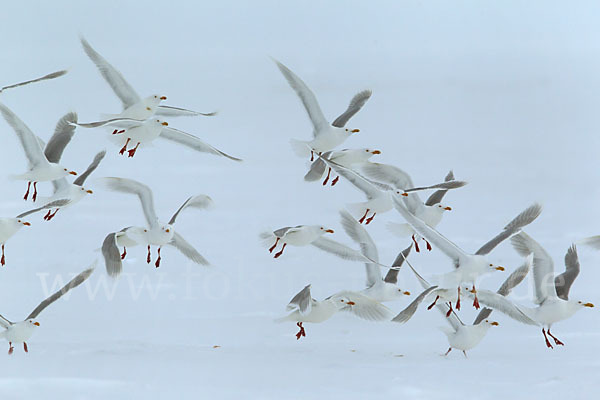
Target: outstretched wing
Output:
[(119, 85), (43, 78), (5, 323), (341, 250), (91, 168), (302, 301), (542, 268), (365, 307), (357, 102), (564, 281), (368, 248), (143, 192), (63, 133), (170, 111), (392, 275), (191, 141), (502, 304), (112, 257), (47, 206), (187, 249), (438, 195), (410, 310), (201, 201), (73, 283), (523, 219), (29, 142)]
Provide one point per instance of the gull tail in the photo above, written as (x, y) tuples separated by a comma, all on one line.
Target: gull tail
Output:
[(300, 147), (267, 238), (401, 230), (283, 319), (357, 209)]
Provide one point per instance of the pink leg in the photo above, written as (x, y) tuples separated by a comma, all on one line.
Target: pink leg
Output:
[(122, 151), (273, 247), (10, 348), (416, 244), (34, 197), (476, 300), (25, 347), (449, 350), (157, 263), (360, 221), (281, 251), (131, 152), (449, 309), (333, 182), (458, 301), (148, 258), (327, 177), (27, 192), (556, 341), (547, 341), (124, 253), (433, 304), (47, 215), (301, 332), (370, 219), (312, 156), (2, 259), (52, 215), (428, 245)]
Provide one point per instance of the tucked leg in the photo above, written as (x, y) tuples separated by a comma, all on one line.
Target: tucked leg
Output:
[(368, 221), (449, 350), (47, 215), (124, 253), (131, 152), (122, 151), (360, 221), (25, 347), (280, 251), (301, 332), (53, 214), (157, 263), (458, 300), (327, 177), (148, 259), (10, 348), (273, 247), (556, 341), (429, 307), (428, 245), (2, 259), (27, 192), (449, 310), (416, 244), (333, 182), (34, 197), (547, 341)]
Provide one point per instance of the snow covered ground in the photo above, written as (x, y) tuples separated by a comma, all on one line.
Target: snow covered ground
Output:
[(504, 94)]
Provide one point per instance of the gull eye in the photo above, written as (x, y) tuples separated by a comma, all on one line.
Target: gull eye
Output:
[(491, 265), (346, 130)]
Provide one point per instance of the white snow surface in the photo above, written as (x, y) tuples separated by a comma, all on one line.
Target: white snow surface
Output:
[(504, 93)]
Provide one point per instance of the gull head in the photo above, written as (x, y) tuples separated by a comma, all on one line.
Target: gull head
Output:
[(86, 191), (343, 301), (491, 323), (494, 267), (21, 222), (401, 192), (582, 304), (62, 171), (324, 230), (441, 207), (33, 323), (350, 131)]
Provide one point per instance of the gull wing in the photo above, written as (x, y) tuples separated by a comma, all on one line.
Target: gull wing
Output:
[(511, 282), (191, 141), (47, 206), (438, 195), (432, 235), (112, 76), (564, 281), (301, 301), (187, 249), (523, 219), (367, 247), (365, 307), (112, 256), (73, 283), (143, 192), (410, 310), (369, 188), (502, 304), (592, 241), (91, 168), (170, 111), (392, 275), (201, 201), (341, 250), (357, 102), (29, 142), (542, 268), (63, 133), (43, 78), (317, 168), (306, 96), (126, 123)]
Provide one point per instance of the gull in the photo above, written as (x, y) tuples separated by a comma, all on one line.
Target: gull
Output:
[(430, 212), (8, 227), (40, 168), (379, 195), (378, 288), (158, 233), (145, 132), (551, 292), (326, 136), (304, 235), (134, 106), (20, 332), (468, 267), (70, 193), (465, 337), (126, 237), (52, 75), (348, 158), (306, 309)]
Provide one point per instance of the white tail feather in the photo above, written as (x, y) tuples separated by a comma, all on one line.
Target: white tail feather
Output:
[(301, 148), (401, 230)]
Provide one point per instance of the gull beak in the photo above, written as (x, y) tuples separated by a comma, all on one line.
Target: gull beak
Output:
[(448, 208), (163, 97), (329, 230), (473, 291), (376, 152), (588, 305), (405, 194), (351, 303), (407, 293), (72, 172), (168, 230), (355, 130), (26, 224), (500, 268), (36, 323), (165, 124), (89, 191), (495, 323)]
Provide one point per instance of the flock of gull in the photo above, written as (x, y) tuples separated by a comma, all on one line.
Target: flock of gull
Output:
[(387, 188), (137, 125)]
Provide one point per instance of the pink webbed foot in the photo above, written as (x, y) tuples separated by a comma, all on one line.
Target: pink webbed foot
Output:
[(280, 251), (124, 253), (556, 341), (368, 221), (11, 349), (157, 263), (416, 244), (25, 347), (27, 192), (301, 332), (273, 247), (429, 307), (148, 259), (333, 182), (360, 221), (131, 152), (122, 151)]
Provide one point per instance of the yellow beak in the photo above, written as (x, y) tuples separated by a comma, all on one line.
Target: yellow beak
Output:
[(36, 323), (89, 191), (163, 98), (495, 323), (448, 208), (588, 305), (329, 230), (165, 124), (500, 268), (72, 172), (26, 224)]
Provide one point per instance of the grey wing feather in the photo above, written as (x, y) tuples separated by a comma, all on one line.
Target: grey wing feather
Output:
[(317, 168), (47, 206), (113, 77), (341, 250), (367, 246), (542, 268), (187, 249), (564, 281), (523, 219), (143, 192), (201, 201), (392, 275), (120, 122), (369, 188), (43, 78), (592, 241), (302, 300), (112, 257), (502, 304), (73, 283), (63, 133), (29, 141), (445, 186), (91, 168), (357, 102), (410, 310), (438, 195), (169, 111), (281, 231), (191, 141), (5, 323)]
